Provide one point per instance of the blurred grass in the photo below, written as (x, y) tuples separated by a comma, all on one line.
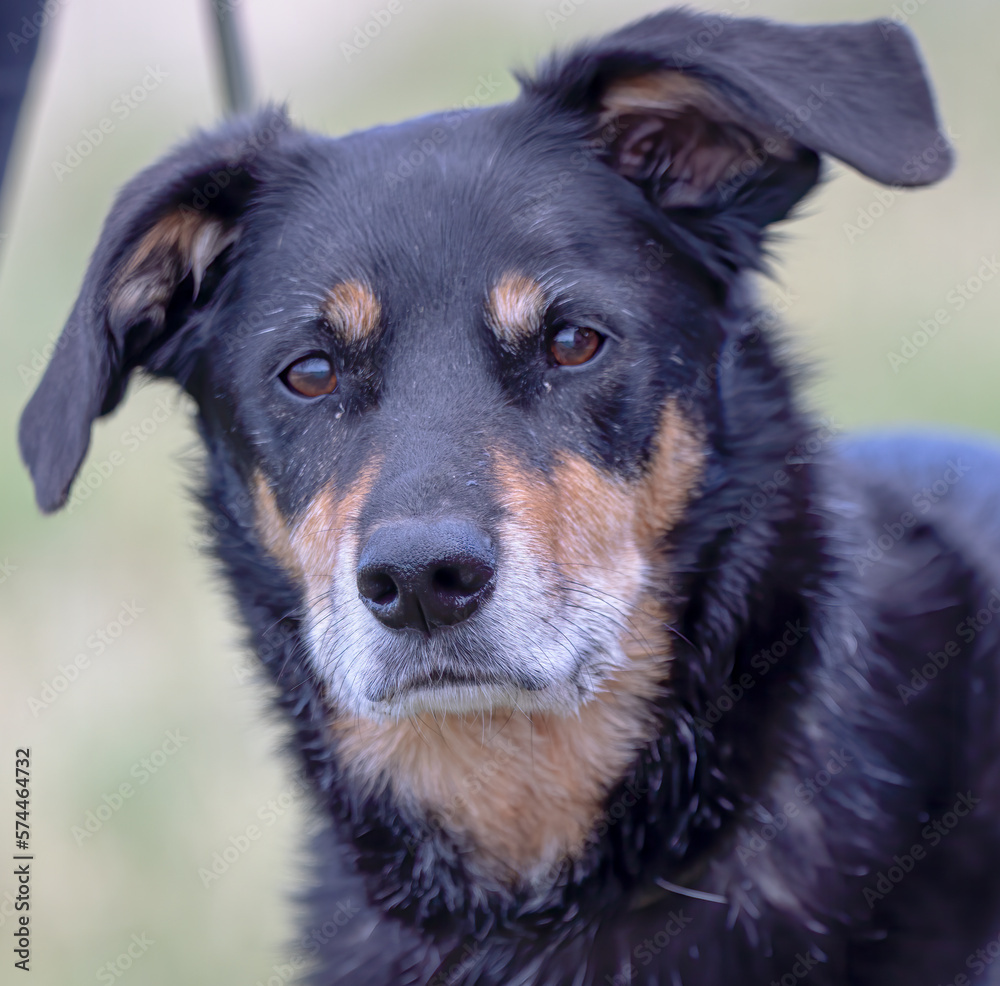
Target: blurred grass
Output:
[(179, 666)]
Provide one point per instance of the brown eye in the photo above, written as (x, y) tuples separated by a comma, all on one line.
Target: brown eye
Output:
[(311, 377), (575, 345)]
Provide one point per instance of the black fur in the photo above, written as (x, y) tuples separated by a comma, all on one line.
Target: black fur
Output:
[(785, 791)]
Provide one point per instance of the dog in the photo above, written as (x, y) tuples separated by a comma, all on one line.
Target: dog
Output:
[(602, 664)]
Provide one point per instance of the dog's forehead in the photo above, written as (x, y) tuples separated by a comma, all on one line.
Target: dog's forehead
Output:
[(465, 198)]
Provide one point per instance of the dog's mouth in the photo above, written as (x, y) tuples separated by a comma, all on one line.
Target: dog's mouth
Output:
[(406, 681), (441, 679)]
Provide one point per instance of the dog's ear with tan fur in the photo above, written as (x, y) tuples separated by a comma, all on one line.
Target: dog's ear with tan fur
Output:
[(148, 290), (719, 117)]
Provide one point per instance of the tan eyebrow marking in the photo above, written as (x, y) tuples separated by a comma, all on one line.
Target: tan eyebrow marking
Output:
[(515, 308), (353, 311)]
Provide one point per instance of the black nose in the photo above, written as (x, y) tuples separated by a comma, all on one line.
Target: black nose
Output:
[(421, 575)]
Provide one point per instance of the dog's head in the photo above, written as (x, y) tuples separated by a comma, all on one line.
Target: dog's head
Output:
[(459, 365)]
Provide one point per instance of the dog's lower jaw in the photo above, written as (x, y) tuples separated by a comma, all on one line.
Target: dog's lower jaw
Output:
[(519, 792)]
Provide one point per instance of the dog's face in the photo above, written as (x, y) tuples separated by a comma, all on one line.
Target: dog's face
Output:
[(467, 372), (458, 408)]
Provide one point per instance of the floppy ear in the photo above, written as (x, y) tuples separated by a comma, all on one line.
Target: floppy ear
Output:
[(719, 116), (160, 255)]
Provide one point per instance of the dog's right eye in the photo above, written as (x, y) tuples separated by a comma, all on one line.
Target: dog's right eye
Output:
[(574, 345), (312, 376)]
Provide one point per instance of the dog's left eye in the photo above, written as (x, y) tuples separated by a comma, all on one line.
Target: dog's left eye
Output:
[(313, 376), (575, 345)]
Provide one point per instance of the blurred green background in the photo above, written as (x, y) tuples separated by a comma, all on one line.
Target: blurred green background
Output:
[(132, 547)]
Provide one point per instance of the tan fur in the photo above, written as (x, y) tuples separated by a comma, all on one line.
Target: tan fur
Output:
[(673, 471), (522, 792), (525, 792), (308, 547), (709, 138), (180, 243), (666, 92), (515, 308), (353, 312), (176, 231)]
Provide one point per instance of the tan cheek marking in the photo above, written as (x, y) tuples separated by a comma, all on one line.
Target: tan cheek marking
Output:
[(515, 308), (310, 548), (353, 311), (603, 552), (661, 497), (272, 527), (575, 524), (674, 469), (594, 542)]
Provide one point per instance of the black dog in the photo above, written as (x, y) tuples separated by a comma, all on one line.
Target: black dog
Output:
[(599, 670)]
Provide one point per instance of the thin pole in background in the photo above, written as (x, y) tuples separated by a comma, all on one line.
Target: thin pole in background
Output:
[(21, 23), (236, 75)]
